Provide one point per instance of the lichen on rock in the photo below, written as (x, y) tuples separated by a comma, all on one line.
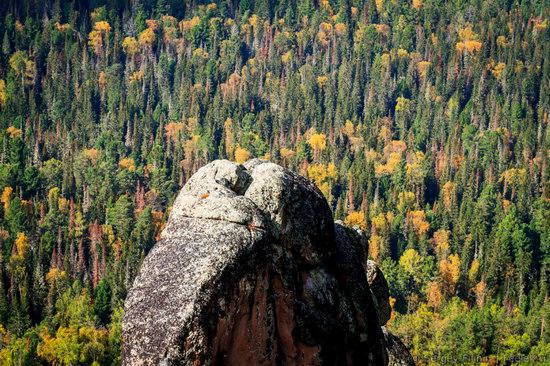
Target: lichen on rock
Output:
[(252, 270)]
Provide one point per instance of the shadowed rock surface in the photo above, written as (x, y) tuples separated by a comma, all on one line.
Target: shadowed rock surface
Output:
[(252, 270), (398, 354), (380, 292)]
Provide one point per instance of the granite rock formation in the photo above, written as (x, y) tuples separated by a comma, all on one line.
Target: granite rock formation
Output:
[(252, 270)]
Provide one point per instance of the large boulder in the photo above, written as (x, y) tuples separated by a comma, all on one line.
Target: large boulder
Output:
[(252, 270)]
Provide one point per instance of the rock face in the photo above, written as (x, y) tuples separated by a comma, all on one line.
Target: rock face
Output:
[(398, 354), (252, 270), (380, 292)]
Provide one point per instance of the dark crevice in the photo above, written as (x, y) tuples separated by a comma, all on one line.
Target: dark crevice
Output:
[(248, 225)]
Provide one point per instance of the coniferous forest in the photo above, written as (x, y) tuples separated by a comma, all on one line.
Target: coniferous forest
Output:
[(425, 123)]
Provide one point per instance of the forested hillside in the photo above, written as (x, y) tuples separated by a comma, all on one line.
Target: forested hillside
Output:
[(423, 122)]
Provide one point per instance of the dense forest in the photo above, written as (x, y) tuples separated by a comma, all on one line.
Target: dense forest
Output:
[(423, 122)]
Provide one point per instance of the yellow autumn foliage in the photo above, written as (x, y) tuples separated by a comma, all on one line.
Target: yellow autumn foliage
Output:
[(92, 155), (186, 25), (514, 176), (241, 155), (340, 29), (147, 37), (356, 218), (286, 154), (388, 168), (3, 93), (474, 271), (423, 67), (540, 24), (441, 243), (348, 129), (173, 129), (254, 20), (480, 290), (136, 76), (325, 27), (395, 147), (317, 141), (127, 164), (498, 69), (401, 53), (402, 104), (73, 344), (200, 53), (14, 132), (325, 4), (6, 198), (62, 27), (323, 176), (152, 24), (414, 168), (447, 194), (95, 37), (102, 80), (470, 46), (384, 134), (375, 243), (130, 45), (469, 40), (502, 41), (449, 272), (322, 81), (379, 222), (102, 26), (63, 204), (386, 59), (54, 275), (22, 247), (418, 221), (434, 295), (168, 20), (323, 38), (411, 262), (286, 57), (379, 5), (95, 41), (405, 199), (467, 33)]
